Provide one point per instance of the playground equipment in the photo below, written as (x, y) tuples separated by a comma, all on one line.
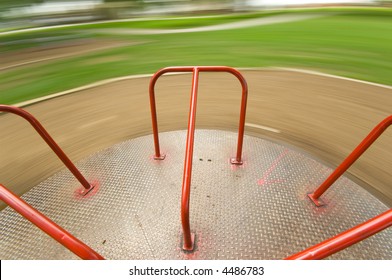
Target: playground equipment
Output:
[(236, 191), (186, 182)]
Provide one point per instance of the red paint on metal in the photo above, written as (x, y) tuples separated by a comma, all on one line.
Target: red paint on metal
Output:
[(358, 151), (186, 183), (346, 239), (49, 140), (48, 226), (273, 166)]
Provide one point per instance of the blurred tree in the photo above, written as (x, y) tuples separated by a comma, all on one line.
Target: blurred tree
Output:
[(117, 0), (387, 3), (7, 4), (111, 9), (234, 5)]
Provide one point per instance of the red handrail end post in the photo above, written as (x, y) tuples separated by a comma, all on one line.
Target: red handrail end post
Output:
[(188, 247), (160, 157), (235, 161), (83, 191), (317, 201)]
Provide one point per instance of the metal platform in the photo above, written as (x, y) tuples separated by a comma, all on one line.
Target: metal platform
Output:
[(255, 211)]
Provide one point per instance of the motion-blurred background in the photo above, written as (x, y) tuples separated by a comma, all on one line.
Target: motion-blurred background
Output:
[(54, 41), (27, 13)]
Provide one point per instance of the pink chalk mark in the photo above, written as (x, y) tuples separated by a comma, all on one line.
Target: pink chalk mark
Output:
[(271, 169)]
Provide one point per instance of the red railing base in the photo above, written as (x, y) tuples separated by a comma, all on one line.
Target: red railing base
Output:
[(190, 249), (235, 161), (161, 157), (317, 201), (83, 192)]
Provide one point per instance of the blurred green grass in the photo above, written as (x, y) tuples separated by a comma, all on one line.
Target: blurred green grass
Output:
[(177, 23), (356, 44)]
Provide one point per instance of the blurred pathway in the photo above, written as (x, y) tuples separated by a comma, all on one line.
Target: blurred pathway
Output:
[(55, 51), (232, 25)]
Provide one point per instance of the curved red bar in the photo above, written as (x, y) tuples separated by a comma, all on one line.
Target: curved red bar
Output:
[(358, 151), (48, 226), (186, 183), (236, 73), (345, 239), (153, 81), (52, 144)]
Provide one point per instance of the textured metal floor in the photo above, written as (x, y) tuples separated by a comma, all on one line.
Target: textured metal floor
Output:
[(255, 211)]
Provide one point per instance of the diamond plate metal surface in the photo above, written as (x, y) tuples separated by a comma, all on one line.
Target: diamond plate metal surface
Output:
[(255, 211)]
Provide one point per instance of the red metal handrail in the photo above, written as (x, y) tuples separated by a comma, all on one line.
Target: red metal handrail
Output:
[(345, 239), (52, 144), (188, 237), (48, 226), (236, 73), (358, 151)]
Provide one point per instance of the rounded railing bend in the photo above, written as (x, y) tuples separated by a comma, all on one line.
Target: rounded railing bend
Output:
[(188, 237), (52, 144), (345, 239), (48, 226), (236, 73), (358, 151)]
